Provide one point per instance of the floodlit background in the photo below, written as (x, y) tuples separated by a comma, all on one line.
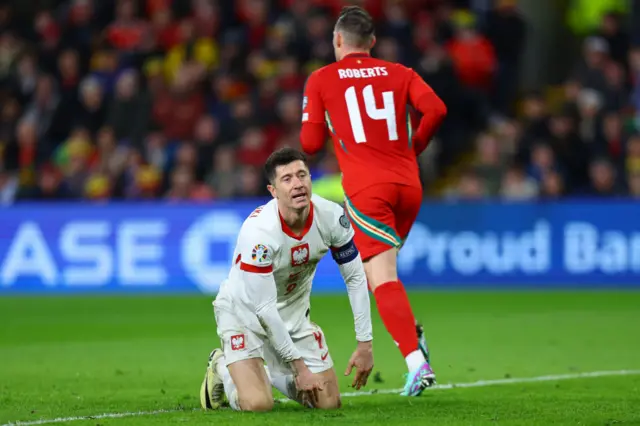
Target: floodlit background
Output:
[(132, 135)]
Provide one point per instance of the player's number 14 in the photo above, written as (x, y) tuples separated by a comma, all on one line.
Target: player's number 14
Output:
[(387, 112)]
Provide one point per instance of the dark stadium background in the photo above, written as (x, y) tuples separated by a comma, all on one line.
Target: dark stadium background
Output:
[(183, 100), (132, 136)]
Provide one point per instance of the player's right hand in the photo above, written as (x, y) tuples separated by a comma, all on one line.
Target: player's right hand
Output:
[(308, 385)]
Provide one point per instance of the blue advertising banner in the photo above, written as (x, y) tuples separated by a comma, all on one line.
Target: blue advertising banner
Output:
[(58, 248), (569, 244)]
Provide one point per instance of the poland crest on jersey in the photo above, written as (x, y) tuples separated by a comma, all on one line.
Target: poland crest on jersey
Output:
[(300, 254), (237, 342)]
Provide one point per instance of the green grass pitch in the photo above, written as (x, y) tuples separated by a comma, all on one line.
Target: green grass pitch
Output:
[(78, 356)]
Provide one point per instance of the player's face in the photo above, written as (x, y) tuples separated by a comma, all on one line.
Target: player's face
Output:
[(292, 185)]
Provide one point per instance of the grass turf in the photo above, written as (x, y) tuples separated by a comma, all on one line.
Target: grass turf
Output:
[(80, 356)]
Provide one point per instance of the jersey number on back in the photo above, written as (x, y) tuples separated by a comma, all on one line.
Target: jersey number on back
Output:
[(387, 112)]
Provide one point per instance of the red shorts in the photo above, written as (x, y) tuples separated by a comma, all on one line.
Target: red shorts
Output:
[(382, 216)]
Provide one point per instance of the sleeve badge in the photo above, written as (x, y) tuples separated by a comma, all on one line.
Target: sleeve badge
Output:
[(344, 221), (261, 254)]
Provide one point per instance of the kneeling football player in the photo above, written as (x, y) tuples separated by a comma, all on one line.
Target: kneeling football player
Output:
[(262, 310)]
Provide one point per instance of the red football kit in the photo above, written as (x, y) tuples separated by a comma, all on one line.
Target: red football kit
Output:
[(364, 102)]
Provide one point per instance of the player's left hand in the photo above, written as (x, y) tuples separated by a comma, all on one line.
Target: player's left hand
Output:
[(362, 360)]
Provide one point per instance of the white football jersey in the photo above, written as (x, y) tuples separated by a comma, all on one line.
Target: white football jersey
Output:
[(266, 244)]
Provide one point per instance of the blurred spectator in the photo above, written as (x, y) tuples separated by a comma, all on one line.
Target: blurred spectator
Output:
[(542, 162), (92, 110), (109, 157), (181, 185), (51, 114), (590, 71), (106, 67), (127, 33), (490, 164), (223, 178), (387, 49), (589, 109), (73, 159), (207, 138), (253, 149), (69, 77), (251, 182), (25, 77), (616, 93), (98, 187), (470, 187), (184, 187), (603, 179), (147, 183), (473, 55), (516, 185), (506, 30), (49, 186), (509, 133), (612, 136), (552, 185), (128, 112), (177, 111), (193, 48), (569, 149), (28, 152), (534, 117), (78, 30)]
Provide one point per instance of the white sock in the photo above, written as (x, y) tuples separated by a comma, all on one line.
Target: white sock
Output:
[(414, 360), (285, 384), (229, 387)]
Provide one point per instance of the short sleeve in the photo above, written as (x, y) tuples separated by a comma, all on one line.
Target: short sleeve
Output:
[(312, 105), (256, 250)]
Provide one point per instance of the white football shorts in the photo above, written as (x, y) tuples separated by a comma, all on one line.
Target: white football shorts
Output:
[(240, 342)]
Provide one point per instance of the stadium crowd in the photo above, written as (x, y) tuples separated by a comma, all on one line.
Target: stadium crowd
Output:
[(583, 144), (184, 100)]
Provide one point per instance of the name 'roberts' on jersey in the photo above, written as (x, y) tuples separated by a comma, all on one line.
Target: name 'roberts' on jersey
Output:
[(363, 72)]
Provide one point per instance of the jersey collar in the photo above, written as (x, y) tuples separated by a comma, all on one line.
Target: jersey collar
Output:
[(357, 55), (305, 230)]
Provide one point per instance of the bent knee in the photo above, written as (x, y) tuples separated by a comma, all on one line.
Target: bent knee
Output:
[(257, 403), (381, 269), (332, 403)]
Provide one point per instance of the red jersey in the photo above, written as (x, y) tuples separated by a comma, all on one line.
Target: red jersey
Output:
[(364, 102)]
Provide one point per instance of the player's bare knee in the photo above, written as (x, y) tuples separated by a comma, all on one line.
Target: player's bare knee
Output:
[(329, 403), (257, 403), (329, 398), (381, 268)]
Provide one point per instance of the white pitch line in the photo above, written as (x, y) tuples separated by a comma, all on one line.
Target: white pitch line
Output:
[(478, 384), (513, 381), (96, 417)]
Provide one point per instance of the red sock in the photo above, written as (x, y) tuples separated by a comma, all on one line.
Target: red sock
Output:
[(395, 311)]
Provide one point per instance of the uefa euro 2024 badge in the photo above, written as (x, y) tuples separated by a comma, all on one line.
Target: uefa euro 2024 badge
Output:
[(261, 254)]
